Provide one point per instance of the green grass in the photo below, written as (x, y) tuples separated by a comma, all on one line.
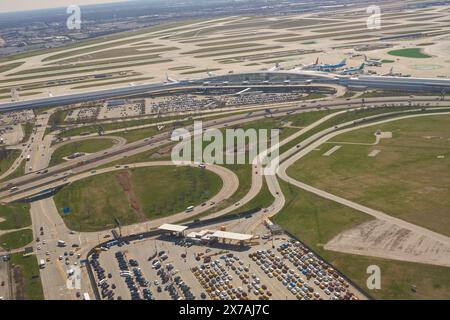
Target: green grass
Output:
[(26, 276), (409, 53), (16, 239), (15, 215), (27, 130), (20, 171), (94, 128), (135, 195), (405, 180), (263, 199), (349, 94), (56, 119), (86, 146), (7, 158), (10, 66), (316, 220), (343, 118)]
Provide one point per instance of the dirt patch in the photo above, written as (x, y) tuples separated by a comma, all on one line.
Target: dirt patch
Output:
[(378, 238), (124, 179), (163, 152), (19, 283)]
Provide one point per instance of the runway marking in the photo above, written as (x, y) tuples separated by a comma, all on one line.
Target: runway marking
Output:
[(374, 153), (331, 151)]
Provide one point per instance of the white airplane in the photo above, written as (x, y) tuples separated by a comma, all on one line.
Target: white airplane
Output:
[(371, 62), (351, 71), (211, 74), (276, 67), (311, 66), (392, 73), (170, 80)]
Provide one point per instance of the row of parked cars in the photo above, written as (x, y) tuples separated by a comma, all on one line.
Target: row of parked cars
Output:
[(103, 284), (218, 282), (330, 282), (127, 275)]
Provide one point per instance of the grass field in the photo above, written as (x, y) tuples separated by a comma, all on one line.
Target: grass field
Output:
[(135, 195), (15, 215), (7, 158), (407, 179), (86, 146), (316, 220), (27, 130), (263, 200), (409, 53), (16, 239), (10, 66), (26, 277), (20, 171)]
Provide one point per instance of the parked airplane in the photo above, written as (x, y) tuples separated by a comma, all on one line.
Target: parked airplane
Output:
[(373, 63), (392, 73), (170, 80), (211, 74), (332, 67), (276, 67), (351, 71), (311, 66)]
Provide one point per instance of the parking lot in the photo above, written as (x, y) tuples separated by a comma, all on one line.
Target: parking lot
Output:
[(4, 283), (170, 267)]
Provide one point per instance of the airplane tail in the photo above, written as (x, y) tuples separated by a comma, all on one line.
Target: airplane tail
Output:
[(344, 62), (365, 58), (317, 61), (362, 66)]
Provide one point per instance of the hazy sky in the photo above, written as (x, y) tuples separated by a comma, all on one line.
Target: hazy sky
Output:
[(21, 5)]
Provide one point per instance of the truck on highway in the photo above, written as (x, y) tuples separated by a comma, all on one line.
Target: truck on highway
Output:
[(28, 157), (190, 209), (42, 263), (14, 189)]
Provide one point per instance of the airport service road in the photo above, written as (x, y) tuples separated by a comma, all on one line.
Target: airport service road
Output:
[(375, 213)]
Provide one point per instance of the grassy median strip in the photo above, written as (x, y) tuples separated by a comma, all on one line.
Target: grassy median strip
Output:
[(14, 216), (16, 239), (26, 278), (83, 146)]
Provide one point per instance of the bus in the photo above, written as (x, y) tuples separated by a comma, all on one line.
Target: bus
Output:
[(190, 209)]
